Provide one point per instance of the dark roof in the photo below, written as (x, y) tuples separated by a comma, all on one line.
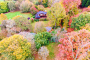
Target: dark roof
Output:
[(36, 16)]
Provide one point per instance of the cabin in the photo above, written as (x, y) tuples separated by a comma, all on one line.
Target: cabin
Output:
[(40, 14)]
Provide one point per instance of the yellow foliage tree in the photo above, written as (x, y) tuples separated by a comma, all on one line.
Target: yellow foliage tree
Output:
[(15, 47), (56, 14)]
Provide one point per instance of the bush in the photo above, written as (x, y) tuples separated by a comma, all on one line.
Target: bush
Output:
[(39, 27), (42, 39), (40, 7), (74, 45), (43, 52), (17, 5), (3, 17), (3, 7), (45, 3), (11, 5), (33, 10), (82, 20), (23, 23), (30, 38), (32, 20), (57, 34), (3, 34), (15, 48), (25, 6), (85, 3)]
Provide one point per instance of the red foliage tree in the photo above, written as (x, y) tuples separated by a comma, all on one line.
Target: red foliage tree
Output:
[(74, 45)]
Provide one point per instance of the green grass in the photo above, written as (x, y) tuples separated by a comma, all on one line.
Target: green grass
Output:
[(10, 15)]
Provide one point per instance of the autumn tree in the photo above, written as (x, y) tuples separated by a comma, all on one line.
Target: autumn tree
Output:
[(74, 46), (56, 13)]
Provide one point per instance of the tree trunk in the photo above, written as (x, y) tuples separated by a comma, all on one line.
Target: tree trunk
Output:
[(55, 23)]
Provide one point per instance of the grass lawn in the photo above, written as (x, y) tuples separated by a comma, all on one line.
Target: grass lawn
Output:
[(10, 15)]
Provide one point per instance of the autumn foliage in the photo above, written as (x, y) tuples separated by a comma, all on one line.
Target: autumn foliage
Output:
[(74, 45), (68, 4)]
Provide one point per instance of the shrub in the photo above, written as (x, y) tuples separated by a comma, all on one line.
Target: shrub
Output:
[(23, 23), (57, 34), (3, 7), (9, 25), (33, 10), (25, 6), (30, 38), (3, 17), (17, 4), (74, 45), (42, 39), (40, 7), (15, 48), (85, 3), (39, 27), (32, 19), (11, 5), (43, 52), (82, 20), (45, 3), (16, 17), (3, 34)]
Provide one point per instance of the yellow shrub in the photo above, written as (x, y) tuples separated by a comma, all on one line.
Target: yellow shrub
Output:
[(3, 17), (16, 17), (15, 48)]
